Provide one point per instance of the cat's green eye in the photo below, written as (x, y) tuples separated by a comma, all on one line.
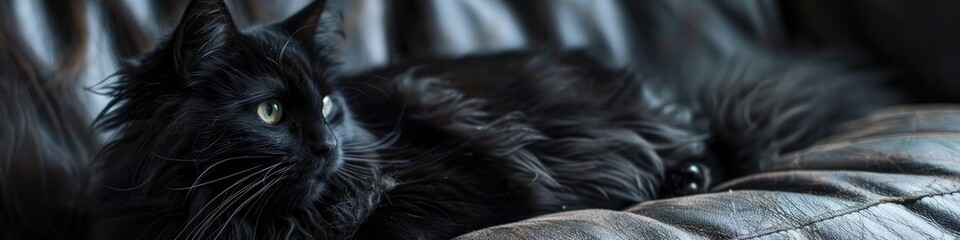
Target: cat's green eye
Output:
[(327, 107), (270, 111)]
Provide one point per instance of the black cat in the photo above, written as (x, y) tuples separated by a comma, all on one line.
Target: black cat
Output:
[(223, 133)]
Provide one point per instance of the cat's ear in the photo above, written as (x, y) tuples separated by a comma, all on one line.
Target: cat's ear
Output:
[(204, 31), (305, 24)]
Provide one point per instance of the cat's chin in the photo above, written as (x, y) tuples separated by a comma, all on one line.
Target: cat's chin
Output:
[(315, 184), (314, 190)]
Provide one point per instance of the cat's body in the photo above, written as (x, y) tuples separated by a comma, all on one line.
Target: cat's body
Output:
[(427, 151), (491, 139), (500, 138)]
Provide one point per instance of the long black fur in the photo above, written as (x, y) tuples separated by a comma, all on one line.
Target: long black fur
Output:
[(423, 152), (429, 150)]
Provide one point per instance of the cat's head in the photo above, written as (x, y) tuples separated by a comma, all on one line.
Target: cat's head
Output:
[(216, 117)]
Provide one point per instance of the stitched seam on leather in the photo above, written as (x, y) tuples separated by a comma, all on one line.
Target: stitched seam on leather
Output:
[(900, 201)]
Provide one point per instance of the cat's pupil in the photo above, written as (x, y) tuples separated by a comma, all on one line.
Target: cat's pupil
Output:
[(270, 111)]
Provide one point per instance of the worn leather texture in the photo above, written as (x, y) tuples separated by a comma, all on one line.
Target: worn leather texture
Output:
[(643, 34), (893, 175)]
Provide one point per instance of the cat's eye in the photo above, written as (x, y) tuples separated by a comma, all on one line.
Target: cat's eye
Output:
[(327, 107), (270, 111)]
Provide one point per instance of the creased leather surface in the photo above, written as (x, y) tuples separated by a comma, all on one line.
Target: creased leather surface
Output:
[(894, 175)]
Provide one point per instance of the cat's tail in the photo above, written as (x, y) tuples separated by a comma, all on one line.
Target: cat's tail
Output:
[(758, 106), (45, 143)]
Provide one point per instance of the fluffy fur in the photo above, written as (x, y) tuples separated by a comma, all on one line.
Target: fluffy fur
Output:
[(429, 150)]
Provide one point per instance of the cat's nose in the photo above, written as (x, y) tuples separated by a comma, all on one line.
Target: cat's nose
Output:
[(325, 142)]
